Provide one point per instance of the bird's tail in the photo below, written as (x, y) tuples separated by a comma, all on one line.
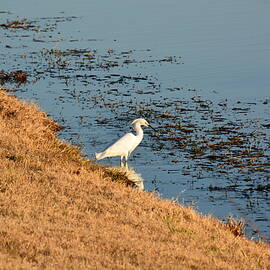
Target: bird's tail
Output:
[(99, 155)]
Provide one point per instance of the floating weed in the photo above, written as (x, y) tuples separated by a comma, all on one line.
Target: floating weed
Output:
[(18, 24), (263, 187), (17, 76)]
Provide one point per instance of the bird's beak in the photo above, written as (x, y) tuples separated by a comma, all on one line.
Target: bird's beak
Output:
[(152, 127)]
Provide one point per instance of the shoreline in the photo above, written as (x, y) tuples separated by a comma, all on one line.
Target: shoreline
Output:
[(58, 211)]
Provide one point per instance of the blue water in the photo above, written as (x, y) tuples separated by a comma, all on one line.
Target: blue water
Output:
[(222, 51)]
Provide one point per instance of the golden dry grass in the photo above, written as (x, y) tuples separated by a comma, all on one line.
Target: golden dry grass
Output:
[(57, 211)]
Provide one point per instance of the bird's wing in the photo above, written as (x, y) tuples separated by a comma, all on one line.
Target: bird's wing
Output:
[(121, 146)]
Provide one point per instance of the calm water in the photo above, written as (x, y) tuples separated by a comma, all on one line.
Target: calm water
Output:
[(159, 56)]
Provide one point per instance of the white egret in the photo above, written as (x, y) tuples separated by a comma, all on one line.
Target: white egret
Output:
[(125, 145)]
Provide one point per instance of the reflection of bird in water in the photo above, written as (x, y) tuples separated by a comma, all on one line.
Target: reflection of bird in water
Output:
[(134, 177), (125, 145), (130, 174)]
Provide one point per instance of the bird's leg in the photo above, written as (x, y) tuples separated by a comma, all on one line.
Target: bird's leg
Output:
[(122, 162), (126, 166)]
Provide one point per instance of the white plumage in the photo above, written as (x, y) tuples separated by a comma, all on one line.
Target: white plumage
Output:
[(125, 145)]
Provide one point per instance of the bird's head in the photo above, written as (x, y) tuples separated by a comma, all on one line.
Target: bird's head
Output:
[(141, 122)]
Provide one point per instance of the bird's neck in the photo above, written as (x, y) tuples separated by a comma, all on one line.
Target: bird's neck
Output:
[(139, 131)]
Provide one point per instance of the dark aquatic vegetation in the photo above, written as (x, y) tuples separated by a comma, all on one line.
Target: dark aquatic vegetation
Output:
[(18, 24), (17, 76)]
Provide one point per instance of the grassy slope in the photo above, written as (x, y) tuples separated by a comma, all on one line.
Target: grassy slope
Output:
[(59, 212)]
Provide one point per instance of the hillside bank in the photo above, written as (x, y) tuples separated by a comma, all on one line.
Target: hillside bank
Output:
[(58, 211)]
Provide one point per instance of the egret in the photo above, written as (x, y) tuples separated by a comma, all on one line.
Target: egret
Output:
[(126, 144)]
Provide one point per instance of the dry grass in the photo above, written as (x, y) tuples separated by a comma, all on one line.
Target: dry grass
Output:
[(57, 211), (237, 227)]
